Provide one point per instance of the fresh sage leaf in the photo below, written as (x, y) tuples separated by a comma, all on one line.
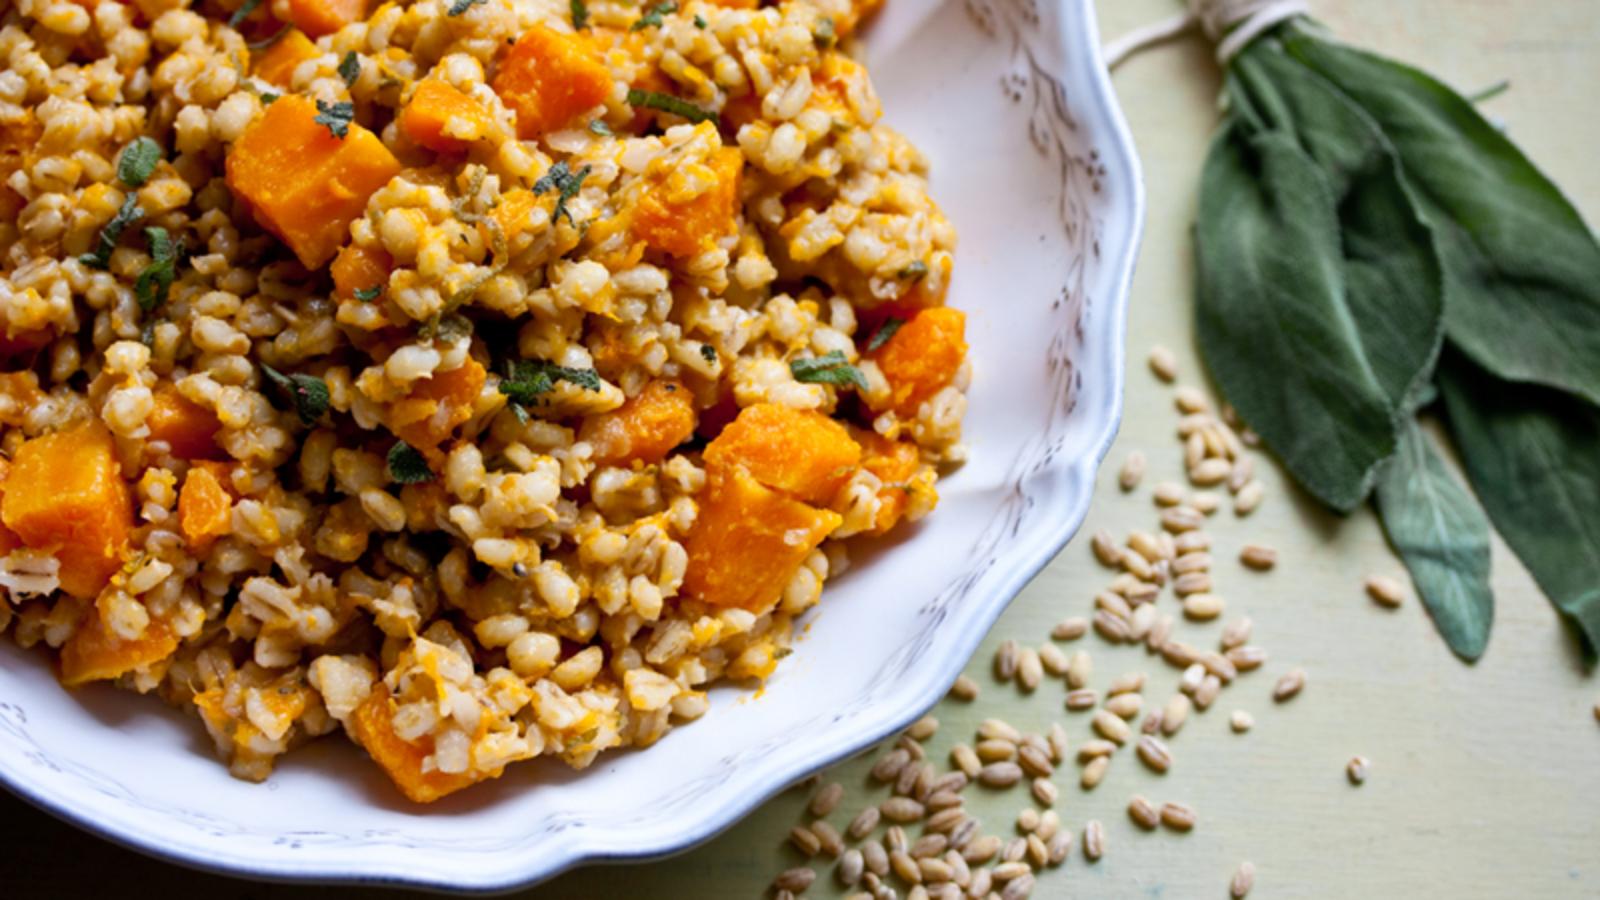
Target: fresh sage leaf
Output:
[(407, 465), (1533, 454), (1392, 280), (1442, 534), (1275, 328), (1522, 268), (829, 368), (308, 392)]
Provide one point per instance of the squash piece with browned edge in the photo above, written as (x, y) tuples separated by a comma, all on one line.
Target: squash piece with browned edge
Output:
[(748, 541), (372, 726), (320, 17), (188, 429), (277, 63), (303, 183), (643, 429), (205, 508), (96, 653), (691, 225), (426, 416), (360, 273), (798, 451), (549, 78), (442, 118), (921, 358), (65, 495), (895, 463)]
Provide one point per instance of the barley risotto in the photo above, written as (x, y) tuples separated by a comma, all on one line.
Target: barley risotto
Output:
[(483, 378)]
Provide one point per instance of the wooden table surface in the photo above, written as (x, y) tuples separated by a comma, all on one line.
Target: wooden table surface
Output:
[(1485, 780)]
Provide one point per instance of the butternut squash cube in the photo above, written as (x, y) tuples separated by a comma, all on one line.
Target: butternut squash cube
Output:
[(798, 451), (320, 17), (65, 495), (205, 508), (372, 726), (690, 227), (550, 78), (895, 463), (435, 406), (277, 63), (922, 357), (748, 541), (645, 428), (189, 429), (304, 184), (442, 118), (95, 653), (358, 268)]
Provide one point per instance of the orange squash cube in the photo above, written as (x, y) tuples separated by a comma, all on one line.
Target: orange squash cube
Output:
[(691, 227), (645, 428), (8, 538), (277, 63), (895, 463), (205, 509), (435, 406), (748, 541), (797, 451), (189, 429), (512, 212), (922, 357), (320, 17), (304, 184), (372, 726), (95, 653), (549, 78), (358, 268), (442, 118), (65, 495)]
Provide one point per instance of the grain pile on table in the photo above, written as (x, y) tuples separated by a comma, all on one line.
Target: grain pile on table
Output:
[(954, 855)]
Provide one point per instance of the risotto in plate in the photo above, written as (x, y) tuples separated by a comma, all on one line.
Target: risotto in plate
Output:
[(483, 379)]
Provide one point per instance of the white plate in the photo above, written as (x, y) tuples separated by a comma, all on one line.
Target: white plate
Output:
[(1033, 163)]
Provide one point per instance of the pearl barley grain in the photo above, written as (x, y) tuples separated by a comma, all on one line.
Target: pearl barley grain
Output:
[(1132, 471), (1385, 590), (1164, 363)]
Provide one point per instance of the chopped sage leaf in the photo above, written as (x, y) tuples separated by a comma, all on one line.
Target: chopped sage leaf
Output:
[(914, 270), (829, 368), (336, 116), (367, 295), (138, 162), (128, 214), (825, 35), (700, 21), (350, 68), (708, 352), (309, 393), (599, 126), (652, 16), (526, 379), (407, 465), (460, 6), (580, 14), (242, 13), (566, 182), (152, 284), (669, 104), (884, 333)]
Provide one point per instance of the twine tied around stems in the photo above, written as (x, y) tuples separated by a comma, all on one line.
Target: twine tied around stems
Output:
[(1230, 24)]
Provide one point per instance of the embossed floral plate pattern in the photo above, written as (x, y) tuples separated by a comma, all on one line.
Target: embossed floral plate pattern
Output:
[(1033, 164)]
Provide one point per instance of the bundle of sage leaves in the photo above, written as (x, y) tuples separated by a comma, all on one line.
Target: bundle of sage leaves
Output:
[(1369, 247)]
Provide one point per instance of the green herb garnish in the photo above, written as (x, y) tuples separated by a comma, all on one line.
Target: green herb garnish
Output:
[(336, 116), (700, 21), (461, 6), (446, 327), (708, 353), (138, 161), (367, 295), (669, 104), (598, 126), (652, 16), (914, 270), (350, 68), (825, 35), (152, 284), (127, 214), (267, 97), (829, 368), (407, 465), (566, 182), (242, 13), (580, 14), (884, 333), (309, 393), (527, 379)]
